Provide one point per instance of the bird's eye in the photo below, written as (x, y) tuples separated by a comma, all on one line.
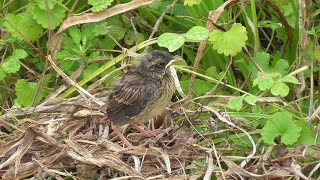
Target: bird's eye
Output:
[(162, 64)]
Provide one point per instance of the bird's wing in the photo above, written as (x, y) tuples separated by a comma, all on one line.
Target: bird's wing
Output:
[(130, 97)]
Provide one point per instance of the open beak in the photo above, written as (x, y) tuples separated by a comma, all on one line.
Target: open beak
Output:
[(176, 59)]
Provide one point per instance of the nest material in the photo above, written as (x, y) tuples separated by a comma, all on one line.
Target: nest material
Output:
[(69, 138)]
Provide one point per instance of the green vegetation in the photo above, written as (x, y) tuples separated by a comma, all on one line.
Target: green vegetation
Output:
[(260, 63)]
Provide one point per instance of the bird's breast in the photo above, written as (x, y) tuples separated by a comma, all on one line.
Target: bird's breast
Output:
[(161, 100)]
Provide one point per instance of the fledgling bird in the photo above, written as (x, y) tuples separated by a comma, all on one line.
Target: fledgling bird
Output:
[(144, 91)]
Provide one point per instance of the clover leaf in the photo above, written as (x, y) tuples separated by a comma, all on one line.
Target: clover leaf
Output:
[(230, 42), (281, 124)]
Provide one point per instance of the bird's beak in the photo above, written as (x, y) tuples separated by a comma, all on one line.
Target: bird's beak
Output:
[(176, 59)]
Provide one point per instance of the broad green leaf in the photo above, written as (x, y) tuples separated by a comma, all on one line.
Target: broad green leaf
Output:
[(200, 86), (263, 59), (44, 4), (2, 74), (281, 124), (235, 103), (230, 42), (75, 35), (281, 67), (57, 14), (19, 54), (191, 2), (281, 89), (131, 37), (100, 28), (250, 99), (267, 83), (69, 66), (171, 41), (197, 33), (93, 55), (24, 24), (25, 92), (99, 5), (11, 66), (107, 43), (212, 72), (307, 136), (264, 82), (117, 32), (63, 54), (291, 79), (270, 24)]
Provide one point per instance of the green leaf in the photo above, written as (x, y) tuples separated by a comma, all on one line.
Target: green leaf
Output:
[(281, 67), (264, 82), (280, 88), (2, 74), (63, 54), (57, 14), (250, 99), (99, 5), (24, 24), (117, 32), (191, 2), (11, 66), (307, 136), (235, 103), (89, 70), (131, 37), (100, 28), (19, 54), (197, 33), (50, 3), (212, 72), (262, 59), (290, 79), (107, 43), (171, 41), (230, 42), (69, 66), (93, 55), (281, 124), (25, 92), (75, 35), (200, 86)]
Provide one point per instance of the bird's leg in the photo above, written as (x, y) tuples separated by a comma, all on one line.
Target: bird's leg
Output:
[(143, 131), (123, 139)]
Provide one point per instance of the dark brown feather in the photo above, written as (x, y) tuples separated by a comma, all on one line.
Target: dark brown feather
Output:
[(130, 97), (143, 91)]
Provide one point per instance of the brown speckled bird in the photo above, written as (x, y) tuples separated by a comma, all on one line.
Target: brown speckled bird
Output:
[(144, 91)]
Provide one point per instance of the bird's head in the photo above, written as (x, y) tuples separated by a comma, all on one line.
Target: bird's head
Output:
[(155, 62)]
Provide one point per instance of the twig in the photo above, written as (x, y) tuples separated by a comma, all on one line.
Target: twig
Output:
[(254, 150), (82, 91), (96, 17), (156, 26), (213, 17)]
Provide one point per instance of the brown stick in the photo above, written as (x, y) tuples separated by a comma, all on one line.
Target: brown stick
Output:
[(212, 18)]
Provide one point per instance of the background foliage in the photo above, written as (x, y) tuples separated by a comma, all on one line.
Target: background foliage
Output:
[(255, 66)]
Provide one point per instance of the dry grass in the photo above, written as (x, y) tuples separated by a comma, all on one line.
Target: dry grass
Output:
[(69, 138)]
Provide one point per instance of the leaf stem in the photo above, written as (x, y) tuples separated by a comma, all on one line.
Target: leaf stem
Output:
[(210, 78)]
